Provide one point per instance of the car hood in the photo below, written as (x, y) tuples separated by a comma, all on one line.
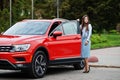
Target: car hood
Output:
[(19, 39)]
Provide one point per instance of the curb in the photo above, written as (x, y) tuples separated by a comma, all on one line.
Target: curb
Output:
[(104, 66)]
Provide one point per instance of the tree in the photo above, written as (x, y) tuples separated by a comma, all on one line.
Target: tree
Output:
[(104, 14)]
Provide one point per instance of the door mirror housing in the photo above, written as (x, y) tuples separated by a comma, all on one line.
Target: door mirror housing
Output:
[(57, 33)]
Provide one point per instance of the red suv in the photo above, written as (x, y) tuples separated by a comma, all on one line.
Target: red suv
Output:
[(33, 45)]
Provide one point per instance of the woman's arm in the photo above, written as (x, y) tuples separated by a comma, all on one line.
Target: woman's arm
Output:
[(90, 32)]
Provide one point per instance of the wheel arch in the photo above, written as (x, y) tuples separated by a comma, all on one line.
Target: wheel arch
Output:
[(41, 48)]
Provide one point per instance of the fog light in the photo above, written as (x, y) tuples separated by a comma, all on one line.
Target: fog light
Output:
[(19, 58)]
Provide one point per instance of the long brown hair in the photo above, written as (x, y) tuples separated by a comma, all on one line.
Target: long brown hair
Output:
[(85, 24)]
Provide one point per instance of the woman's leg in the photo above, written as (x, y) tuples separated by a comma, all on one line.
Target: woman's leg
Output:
[(86, 64)]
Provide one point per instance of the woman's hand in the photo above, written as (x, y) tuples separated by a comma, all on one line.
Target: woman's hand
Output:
[(86, 43)]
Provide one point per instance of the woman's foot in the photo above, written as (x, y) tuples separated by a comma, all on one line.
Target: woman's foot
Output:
[(87, 71)]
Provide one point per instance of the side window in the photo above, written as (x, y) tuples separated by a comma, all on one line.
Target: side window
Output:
[(58, 28), (70, 28), (53, 26)]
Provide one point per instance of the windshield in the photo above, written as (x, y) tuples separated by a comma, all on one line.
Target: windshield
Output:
[(28, 28)]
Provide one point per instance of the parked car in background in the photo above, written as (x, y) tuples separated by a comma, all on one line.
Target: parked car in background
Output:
[(33, 45)]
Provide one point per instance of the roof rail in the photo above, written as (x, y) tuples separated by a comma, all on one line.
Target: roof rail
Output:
[(61, 19)]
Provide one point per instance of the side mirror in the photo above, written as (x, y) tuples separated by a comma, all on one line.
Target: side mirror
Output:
[(57, 33)]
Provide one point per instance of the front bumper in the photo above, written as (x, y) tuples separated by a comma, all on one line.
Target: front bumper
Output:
[(16, 60), (5, 64)]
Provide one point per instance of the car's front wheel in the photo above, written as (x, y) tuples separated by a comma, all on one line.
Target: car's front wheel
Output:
[(38, 65)]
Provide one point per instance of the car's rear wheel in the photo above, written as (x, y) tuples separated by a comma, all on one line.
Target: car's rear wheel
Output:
[(79, 66), (38, 65)]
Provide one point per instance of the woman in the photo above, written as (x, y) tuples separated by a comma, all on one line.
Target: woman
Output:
[(86, 31)]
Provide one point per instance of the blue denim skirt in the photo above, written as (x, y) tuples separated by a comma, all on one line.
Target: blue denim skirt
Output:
[(85, 52)]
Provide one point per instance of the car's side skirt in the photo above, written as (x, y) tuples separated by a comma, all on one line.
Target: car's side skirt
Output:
[(65, 61)]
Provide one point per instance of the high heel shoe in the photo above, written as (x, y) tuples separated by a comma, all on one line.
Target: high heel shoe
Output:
[(87, 71)]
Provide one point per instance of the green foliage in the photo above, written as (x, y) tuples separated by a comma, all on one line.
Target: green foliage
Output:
[(4, 20), (98, 39), (104, 14), (113, 32), (110, 40)]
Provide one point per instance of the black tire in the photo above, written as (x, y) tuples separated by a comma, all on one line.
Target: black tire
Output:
[(79, 66), (39, 65)]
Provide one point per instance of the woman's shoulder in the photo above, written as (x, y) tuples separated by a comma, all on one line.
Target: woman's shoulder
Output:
[(80, 26), (90, 26)]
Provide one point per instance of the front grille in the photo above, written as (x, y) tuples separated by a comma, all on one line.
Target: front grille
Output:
[(6, 48)]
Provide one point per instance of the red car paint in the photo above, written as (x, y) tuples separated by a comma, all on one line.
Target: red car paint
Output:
[(61, 47)]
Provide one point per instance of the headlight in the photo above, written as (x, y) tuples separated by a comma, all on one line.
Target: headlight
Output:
[(21, 47)]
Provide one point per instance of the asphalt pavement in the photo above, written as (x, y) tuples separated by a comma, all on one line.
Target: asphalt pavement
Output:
[(67, 73), (107, 57), (106, 68)]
